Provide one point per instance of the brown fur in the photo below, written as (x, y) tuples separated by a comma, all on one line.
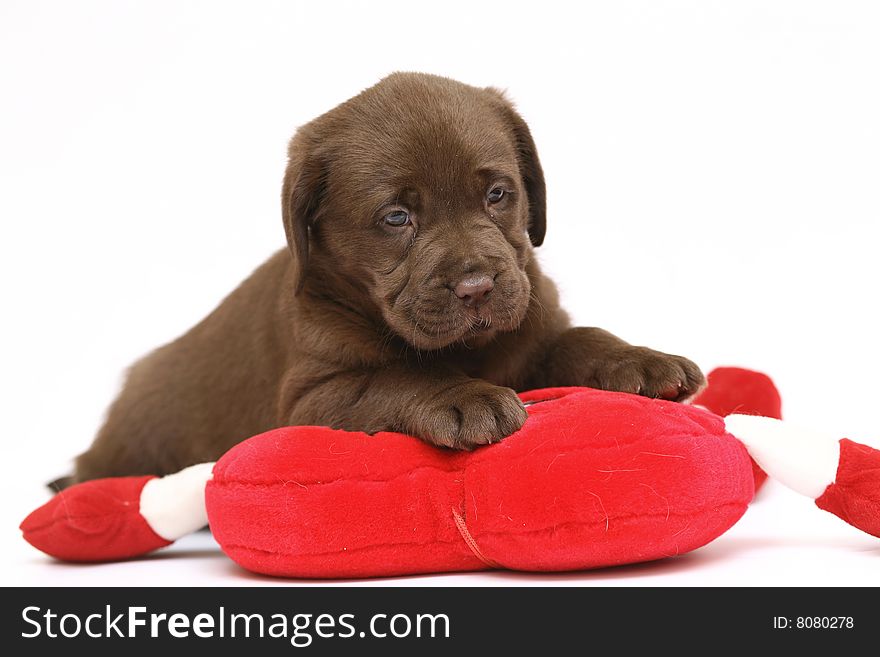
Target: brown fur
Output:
[(359, 324)]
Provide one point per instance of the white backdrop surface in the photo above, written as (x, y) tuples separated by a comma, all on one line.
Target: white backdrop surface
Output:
[(713, 181)]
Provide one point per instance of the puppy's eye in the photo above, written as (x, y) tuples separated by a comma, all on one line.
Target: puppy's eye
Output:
[(495, 195), (396, 218)]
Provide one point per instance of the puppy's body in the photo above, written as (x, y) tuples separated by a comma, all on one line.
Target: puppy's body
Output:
[(409, 298)]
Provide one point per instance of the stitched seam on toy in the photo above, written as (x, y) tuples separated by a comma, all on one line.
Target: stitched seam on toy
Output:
[(282, 483), (67, 518), (584, 448), (236, 546), (461, 525), (222, 482), (611, 519)]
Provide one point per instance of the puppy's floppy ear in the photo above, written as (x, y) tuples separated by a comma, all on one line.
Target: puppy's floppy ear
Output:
[(301, 196), (529, 166)]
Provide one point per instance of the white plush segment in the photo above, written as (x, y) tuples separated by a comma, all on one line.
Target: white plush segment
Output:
[(804, 460), (174, 506)]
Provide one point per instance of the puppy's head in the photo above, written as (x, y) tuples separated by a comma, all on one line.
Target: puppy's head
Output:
[(422, 197)]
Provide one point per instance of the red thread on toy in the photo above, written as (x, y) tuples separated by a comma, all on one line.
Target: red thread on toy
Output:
[(471, 543)]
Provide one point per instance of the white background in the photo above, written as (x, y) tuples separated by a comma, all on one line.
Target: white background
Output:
[(713, 189)]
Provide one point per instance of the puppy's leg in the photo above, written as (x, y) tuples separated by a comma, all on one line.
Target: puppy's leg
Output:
[(439, 405), (597, 359)]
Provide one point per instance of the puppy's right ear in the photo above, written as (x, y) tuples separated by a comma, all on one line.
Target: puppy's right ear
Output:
[(301, 196), (529, 165)]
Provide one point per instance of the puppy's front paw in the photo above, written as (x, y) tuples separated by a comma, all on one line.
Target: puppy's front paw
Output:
[(650, 373), (471, 414)]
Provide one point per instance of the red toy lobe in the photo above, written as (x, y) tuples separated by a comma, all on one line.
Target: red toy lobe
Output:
[(855, 496), (738, 390), (94, 521), (316, 502), (614, 479)]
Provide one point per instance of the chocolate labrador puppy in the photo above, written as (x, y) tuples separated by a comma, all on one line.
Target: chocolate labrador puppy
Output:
[(409, 298)]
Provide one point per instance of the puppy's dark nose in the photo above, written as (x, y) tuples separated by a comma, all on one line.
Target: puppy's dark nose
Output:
[(474, 290)]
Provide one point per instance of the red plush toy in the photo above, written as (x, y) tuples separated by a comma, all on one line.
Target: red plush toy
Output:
[(592, 479)]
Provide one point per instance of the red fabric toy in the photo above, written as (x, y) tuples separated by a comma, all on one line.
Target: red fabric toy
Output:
[(592, 479)]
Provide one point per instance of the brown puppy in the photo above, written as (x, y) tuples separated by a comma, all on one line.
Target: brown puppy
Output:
[(408, 300)]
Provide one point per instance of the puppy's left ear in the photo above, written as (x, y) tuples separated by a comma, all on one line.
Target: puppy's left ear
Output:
[(301, 197), (529, 167)]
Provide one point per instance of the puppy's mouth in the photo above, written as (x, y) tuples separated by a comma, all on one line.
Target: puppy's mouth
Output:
[(433, 317), (462, 330), (466, 326)]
